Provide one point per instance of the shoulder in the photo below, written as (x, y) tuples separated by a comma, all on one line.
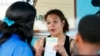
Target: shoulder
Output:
[(22, 49), (16, 41), (71, 42), (72, 45), (16, 47), (69, 38)]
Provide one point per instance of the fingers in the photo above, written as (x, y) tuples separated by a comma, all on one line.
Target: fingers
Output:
[(39, 50), (60, 49), (56, 48)]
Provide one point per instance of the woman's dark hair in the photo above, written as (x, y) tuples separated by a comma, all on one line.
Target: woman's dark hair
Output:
[(23, 14), (62, 18)]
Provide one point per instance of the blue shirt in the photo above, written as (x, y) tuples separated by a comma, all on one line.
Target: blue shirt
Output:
[(15, 47)]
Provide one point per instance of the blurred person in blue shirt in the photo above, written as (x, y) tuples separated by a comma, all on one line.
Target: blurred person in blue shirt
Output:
[(16, 30)]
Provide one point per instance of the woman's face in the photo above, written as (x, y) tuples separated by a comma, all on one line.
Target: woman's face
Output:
[(54, 24)]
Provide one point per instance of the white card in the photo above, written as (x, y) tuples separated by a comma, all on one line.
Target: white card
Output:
[(50, 43)]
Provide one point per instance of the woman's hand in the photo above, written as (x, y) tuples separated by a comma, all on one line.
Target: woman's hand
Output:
[(39, 47), (61, 50)]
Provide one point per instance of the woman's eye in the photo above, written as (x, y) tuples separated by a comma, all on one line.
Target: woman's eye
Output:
[(48, 22), (55, 21)]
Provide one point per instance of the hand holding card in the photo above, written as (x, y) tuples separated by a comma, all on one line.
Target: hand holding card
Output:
[(50, 43)]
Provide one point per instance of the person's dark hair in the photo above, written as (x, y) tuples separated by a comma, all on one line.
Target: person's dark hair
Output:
[(23, 14), (61, 16), (89, 29)]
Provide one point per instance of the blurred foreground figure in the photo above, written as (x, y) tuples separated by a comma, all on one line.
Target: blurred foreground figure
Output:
[(88, 36), (16, 30)]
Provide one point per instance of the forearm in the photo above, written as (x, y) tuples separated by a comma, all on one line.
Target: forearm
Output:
[(64, 54)]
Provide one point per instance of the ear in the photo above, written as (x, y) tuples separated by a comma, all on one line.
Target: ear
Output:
[(78, 38), (63, 22)]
